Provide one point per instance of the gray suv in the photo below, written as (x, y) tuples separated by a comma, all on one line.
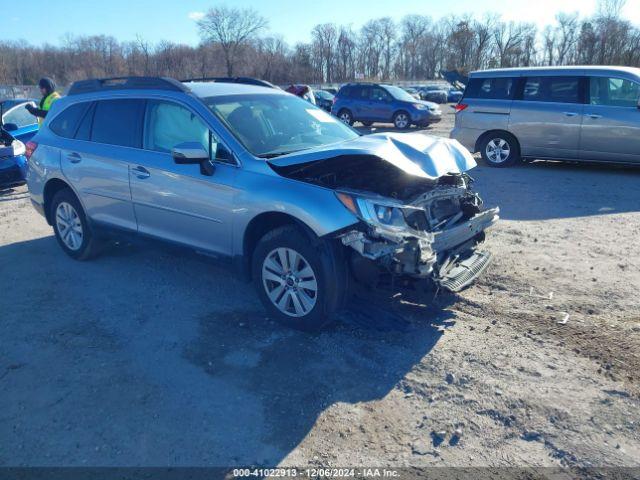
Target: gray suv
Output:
[(566, 113), (301, 203)]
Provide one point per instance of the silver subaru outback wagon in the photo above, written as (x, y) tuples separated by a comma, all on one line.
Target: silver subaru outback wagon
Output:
[(300, 202)]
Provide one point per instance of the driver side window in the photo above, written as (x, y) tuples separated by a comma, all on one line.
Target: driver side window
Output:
[(168, 124), (379, 95)]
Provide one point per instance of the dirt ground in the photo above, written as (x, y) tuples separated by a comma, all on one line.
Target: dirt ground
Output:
[(155, 356)]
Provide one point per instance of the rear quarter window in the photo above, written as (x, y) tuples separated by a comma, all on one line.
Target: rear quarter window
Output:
[(66, 123), (118, 122), (498, 88)]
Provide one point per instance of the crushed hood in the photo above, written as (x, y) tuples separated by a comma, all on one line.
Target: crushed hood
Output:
[(416, 154)]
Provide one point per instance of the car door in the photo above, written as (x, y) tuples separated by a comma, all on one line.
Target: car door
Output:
[(99, 141), (611, 126), (361, 102), (26, 125), (546, 115), (177, 202), (380, 105)]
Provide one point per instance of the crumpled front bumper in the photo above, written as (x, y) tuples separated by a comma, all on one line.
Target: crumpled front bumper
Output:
[(449, 257)]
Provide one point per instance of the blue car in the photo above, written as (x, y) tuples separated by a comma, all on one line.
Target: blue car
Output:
[(369, 103), (18, 127), (454, 95)]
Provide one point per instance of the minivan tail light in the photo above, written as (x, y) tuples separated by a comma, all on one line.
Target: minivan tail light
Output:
[(30, 147), (460, 107)]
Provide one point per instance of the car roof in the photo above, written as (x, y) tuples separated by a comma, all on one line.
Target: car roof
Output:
[(571, 69)]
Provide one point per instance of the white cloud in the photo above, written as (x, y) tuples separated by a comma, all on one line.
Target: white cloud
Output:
[(196, 15)]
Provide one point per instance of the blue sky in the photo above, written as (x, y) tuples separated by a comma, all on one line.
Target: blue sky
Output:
[(38, 21)]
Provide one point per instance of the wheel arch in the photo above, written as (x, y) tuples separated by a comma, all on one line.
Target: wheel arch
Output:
[(53, 186), (256, 229)]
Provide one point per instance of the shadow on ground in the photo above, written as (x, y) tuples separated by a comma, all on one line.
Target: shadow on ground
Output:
[(153, 356)]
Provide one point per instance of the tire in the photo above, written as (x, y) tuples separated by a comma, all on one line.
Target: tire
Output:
[(401, 120), (77, 240), (318, 265), (500, 149), (346, 116), (367, 124)]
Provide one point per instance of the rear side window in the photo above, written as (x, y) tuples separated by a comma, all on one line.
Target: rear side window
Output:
[(552, 89), (118, 122), (66, 123), (499, 88)]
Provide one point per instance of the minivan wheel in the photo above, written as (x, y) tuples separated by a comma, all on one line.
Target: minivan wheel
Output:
[(346, 116), (70, 226), (401, 120), (500, 150), (298, 282)]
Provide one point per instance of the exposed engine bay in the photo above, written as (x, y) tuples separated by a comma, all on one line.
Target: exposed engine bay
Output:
[(412, 224)]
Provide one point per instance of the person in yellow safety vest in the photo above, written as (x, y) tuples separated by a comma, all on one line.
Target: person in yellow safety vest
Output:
[(49, 95)]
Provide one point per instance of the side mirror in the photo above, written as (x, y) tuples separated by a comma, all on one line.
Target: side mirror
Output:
[(10, 127), (191, 153)]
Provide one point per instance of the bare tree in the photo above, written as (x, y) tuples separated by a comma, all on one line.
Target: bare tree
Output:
[(233, 29)]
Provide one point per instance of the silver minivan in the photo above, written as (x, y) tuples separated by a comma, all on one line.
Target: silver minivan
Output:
[(587, 114)]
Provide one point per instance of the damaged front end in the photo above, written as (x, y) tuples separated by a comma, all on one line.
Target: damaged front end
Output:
[(435, 235), (419, 216)]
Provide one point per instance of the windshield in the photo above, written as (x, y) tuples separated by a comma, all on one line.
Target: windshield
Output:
[(272, 125), (399, 94), (323, 95)]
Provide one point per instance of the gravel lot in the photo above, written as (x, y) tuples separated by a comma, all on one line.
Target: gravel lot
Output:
[(155, 356)]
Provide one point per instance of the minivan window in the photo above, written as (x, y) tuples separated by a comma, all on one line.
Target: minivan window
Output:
[(84, 129), (498, 88), (118, 122), (552, 89), (168, 124), (66, 123), (616, 92)]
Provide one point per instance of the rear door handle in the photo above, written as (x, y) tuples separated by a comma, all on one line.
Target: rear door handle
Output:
[(74, 157), (570, 114), (594, 116), (140, 172)]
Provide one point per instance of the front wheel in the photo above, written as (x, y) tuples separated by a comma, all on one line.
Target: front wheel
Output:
[(300, 284), (500, 150), (401, 120)]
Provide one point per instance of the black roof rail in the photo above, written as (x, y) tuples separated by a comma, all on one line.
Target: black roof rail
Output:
[(126, 83), (244, 80)]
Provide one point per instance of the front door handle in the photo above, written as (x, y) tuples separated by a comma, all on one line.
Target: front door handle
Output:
[(140, 172), (570, 114), (74, 157), (594, 116)]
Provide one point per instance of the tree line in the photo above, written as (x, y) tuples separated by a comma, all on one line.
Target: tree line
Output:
[(236, 42)]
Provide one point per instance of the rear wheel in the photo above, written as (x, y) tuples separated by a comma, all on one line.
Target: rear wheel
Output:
[(346, 116), (300, 284), (401, 120), (71, 227), (500, 150)]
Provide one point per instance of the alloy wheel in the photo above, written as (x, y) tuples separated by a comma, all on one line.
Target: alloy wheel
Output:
[(290, 282), (402, 120), (69, 226), (498, 150), (346, 117)]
